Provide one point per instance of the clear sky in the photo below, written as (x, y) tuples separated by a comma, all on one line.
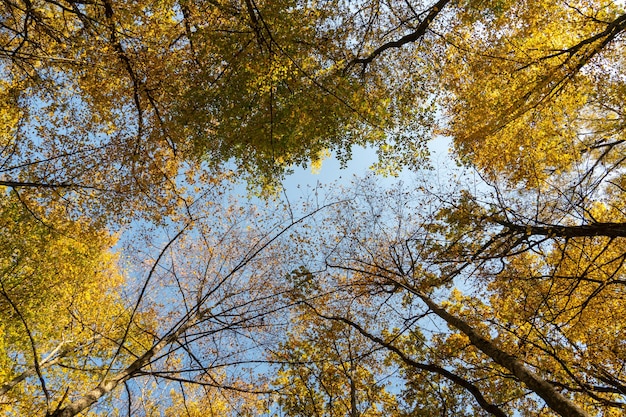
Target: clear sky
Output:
[(303, 181)]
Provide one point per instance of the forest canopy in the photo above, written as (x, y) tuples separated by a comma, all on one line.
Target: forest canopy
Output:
[(134, 283)]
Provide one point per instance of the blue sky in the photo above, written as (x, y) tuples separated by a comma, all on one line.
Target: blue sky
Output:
[(303, 181)]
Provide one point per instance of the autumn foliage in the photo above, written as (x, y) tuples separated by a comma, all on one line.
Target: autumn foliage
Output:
[(134, 282)]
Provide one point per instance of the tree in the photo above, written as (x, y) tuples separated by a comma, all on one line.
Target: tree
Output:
[(529, 100), (499, 292), (79, 334), (61, 307), (207, 293), (512, 317), (114, 98), (327, 368), (140, 89), (533, 113)]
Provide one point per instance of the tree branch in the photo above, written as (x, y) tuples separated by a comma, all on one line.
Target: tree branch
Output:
[(473, 389), (53, 358), (411, 37), (554, 399), (607, 229)]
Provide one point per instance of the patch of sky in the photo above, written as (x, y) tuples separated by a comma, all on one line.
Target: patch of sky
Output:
[(303, 180)]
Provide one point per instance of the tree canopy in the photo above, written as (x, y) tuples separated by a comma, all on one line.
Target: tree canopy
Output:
[(133, 282)]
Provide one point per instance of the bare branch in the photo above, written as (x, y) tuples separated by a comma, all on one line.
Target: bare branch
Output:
[(462, 382), (411, 37)]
